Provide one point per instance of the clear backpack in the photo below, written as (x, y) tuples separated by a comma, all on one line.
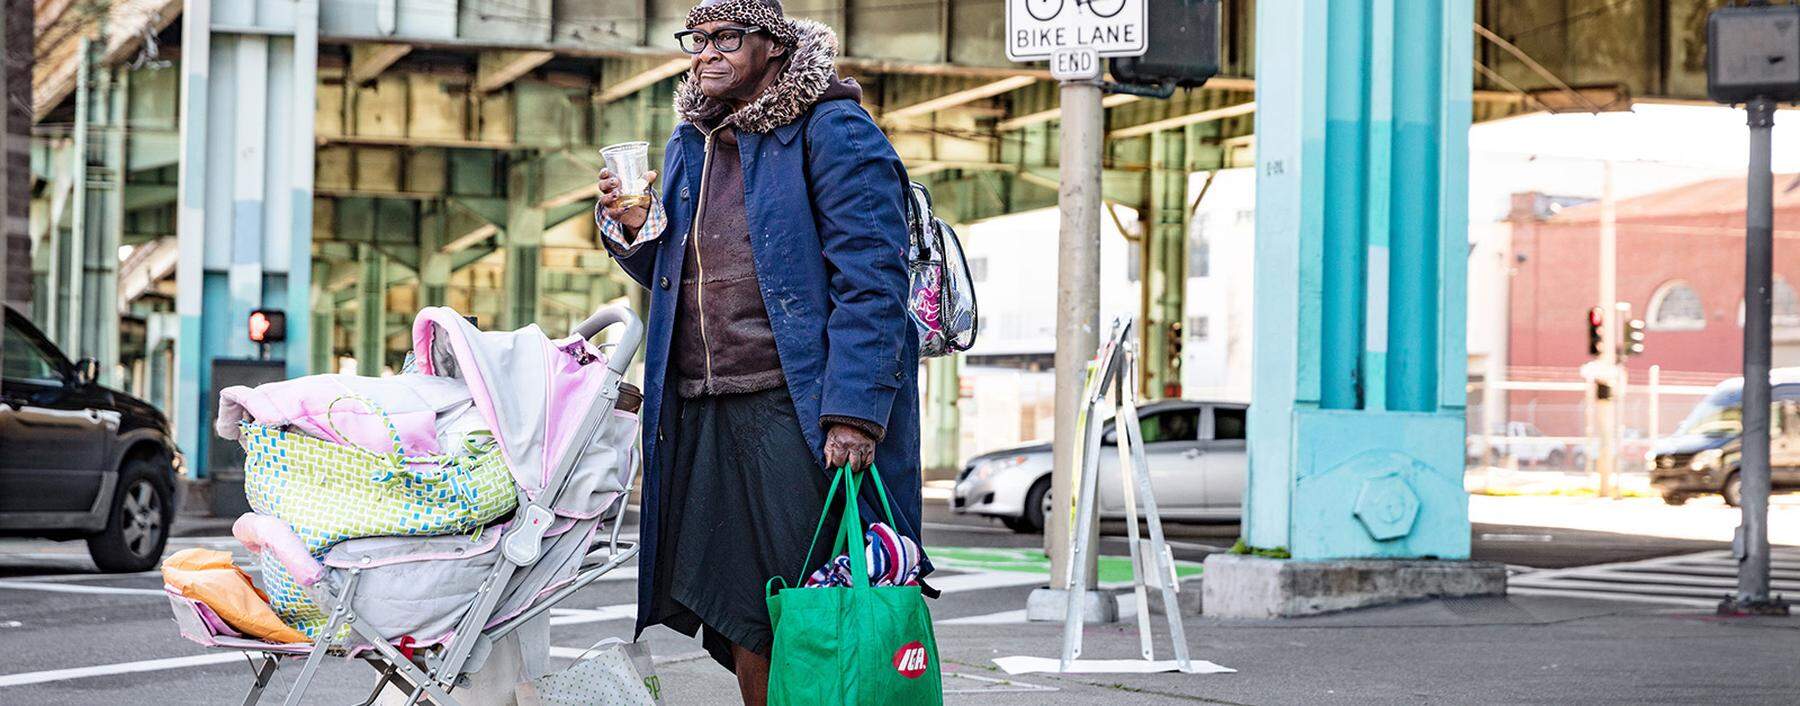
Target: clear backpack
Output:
[(941, 295)]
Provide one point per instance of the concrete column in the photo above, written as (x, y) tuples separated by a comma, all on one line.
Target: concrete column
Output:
[(434, 263), (245, 195), (321, 348), (1163, 270), (1357, 421), (943, 389), (371, 311), (87, 322), (524, 242), (71, 257)]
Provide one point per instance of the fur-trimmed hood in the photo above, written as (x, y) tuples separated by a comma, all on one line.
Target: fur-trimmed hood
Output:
[(811, 69)]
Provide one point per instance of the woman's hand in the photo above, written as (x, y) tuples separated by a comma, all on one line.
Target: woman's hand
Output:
[(845, 444), (610, 191)]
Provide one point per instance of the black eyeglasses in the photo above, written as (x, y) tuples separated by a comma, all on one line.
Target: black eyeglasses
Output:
[(726, 40)]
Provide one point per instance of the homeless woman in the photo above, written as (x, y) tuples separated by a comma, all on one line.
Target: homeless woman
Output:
[(779, 345)]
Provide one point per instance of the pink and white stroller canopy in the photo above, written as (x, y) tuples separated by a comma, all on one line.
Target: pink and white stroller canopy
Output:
[(533, 393)]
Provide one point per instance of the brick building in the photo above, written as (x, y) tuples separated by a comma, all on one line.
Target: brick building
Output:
[(1680, 267)]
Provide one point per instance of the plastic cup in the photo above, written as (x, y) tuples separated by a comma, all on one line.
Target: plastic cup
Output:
[(629, 161)]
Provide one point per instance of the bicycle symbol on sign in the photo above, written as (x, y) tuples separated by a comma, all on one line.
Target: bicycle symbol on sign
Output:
[(1046, 10)]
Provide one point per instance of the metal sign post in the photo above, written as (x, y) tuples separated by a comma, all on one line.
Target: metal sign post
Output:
[(1753, 58), (1074, 35), (1115, 366), (1752, 540)]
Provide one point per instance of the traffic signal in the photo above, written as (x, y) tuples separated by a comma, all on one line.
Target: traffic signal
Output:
[(1632, 342), (1182, 46), (268, 326), (1596, 320)]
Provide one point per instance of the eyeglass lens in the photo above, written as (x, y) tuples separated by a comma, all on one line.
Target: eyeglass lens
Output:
[(725, 40)]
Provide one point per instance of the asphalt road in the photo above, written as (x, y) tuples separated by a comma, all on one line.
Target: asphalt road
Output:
[(72, 636)]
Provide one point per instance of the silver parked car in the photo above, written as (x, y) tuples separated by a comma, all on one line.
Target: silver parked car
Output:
[(1195, 450)]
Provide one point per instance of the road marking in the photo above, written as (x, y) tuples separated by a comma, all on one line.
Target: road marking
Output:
[(1005, 617), (999, 685), (148, 665), (1695, 580), (579, 652), (952, 583), (953, 527), (1666, 600), (1505, 537), (579, 616), (86, 577), (76, 588), (958, 583)]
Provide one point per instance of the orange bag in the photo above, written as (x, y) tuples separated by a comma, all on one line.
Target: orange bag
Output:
[(208, 576)]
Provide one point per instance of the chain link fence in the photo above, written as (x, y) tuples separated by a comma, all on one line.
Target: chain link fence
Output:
[(1538, 427)]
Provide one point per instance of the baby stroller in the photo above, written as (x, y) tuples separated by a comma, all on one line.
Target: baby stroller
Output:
[(553, 410)]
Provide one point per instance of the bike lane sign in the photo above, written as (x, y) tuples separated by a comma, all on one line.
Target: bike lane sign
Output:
[(1038, 29)]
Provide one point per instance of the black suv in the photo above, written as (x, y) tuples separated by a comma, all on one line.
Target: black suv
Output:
[(1702, 455), (78, 460)]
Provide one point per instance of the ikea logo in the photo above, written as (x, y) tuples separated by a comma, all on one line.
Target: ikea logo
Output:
[(911, 660)]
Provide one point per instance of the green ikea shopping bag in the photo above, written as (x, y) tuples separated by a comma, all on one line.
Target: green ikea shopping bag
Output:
[(857, 645)]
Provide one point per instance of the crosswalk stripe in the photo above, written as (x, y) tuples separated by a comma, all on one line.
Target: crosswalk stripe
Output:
[(79, 588), (101, 670), (1694, 602), (1698, 580)]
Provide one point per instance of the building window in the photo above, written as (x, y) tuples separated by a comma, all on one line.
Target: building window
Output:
[(1196, 327), (978, 269), (1199, 249), (1786, 310), (1676, 307)]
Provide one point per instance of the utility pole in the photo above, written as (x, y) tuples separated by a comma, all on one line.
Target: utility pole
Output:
[(1606, 458), (1751, 50), (1077, 303)]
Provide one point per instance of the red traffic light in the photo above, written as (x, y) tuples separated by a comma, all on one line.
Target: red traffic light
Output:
[(1596, 316), (268, 326)]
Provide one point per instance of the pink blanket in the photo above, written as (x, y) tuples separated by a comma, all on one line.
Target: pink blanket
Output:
[(348, 409)]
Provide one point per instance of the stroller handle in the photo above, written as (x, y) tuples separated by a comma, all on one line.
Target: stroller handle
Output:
[(628, 344)]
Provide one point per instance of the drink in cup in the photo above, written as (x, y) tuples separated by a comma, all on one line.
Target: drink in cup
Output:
[(628, 161)]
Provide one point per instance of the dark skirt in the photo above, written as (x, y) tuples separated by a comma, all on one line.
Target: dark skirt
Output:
[(742, 497)]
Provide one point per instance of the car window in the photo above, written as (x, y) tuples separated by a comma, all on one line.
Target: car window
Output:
[(1171, 425), (25, 361), (1228, 423)]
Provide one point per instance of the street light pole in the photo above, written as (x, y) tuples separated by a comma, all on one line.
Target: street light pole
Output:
[(1606, 458), (1752, 541), (1077, 304)]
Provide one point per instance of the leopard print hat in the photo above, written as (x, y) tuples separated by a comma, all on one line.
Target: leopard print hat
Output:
[(757, 13)]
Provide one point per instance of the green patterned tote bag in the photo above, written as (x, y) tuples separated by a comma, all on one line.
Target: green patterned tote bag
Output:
[(332, 492)]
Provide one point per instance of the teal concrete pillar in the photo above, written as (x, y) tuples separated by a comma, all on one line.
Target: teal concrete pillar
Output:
[(1356, 436), (244, 219)]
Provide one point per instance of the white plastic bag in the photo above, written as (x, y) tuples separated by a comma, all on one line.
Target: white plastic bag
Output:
[(611, 673)]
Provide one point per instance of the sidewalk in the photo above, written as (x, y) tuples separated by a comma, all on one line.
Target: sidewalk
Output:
[(1521, 649)]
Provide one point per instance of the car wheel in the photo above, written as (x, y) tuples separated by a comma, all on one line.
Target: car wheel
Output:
[(1557, 458), (1675, 498), (1733, 489), (1037, 505), (137, 527)]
